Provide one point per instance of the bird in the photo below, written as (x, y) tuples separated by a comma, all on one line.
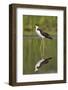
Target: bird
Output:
[(41, 63), (42, 34)]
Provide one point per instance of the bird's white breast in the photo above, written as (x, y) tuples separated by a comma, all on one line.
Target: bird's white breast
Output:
[(39, 34), (39, 62)]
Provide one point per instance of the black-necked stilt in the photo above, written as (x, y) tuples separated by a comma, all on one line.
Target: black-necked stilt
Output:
[(41, 63), (42, 34)]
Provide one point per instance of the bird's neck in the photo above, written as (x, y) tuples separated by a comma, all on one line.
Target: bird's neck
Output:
[(36, 27)]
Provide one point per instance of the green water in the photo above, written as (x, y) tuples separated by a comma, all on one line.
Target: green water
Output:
[(35, 49)]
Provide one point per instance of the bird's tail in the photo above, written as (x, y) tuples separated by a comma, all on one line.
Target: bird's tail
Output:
[(50, 37), (49, 58)]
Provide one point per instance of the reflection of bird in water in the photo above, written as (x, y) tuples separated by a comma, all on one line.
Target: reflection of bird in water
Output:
[(42, 34), (41, 63)]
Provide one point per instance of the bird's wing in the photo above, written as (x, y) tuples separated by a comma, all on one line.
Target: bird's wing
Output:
[(47, 35), (43, 33), (46, 61)]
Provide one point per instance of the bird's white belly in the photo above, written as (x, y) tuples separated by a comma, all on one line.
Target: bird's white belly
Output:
[(39, 34), (39, 62)]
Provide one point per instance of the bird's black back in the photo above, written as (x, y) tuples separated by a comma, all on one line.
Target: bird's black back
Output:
[(45, 34), (45, 61)]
